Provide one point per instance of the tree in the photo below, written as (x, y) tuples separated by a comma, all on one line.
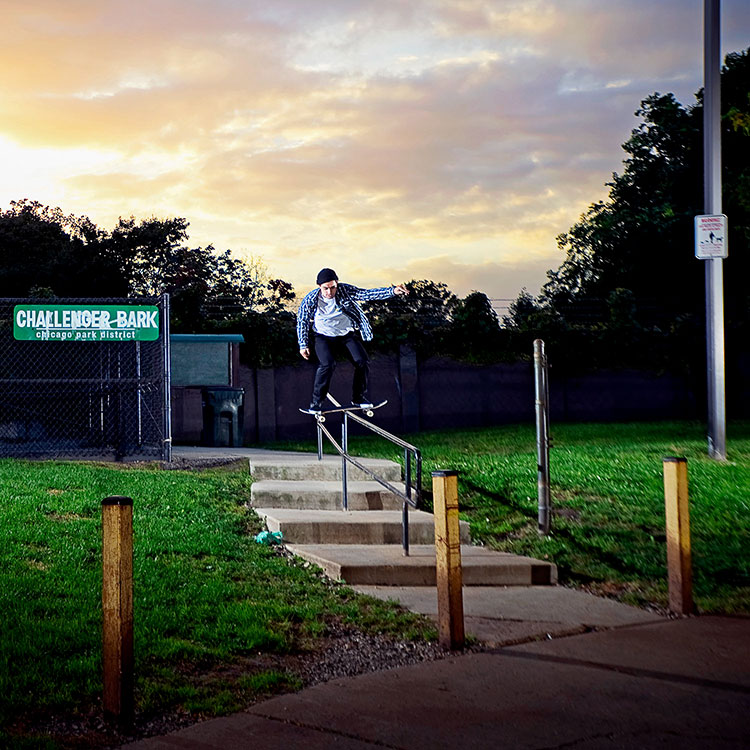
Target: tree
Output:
[(280, 296), (41, 248), (205, 286), (475, 329), (46, 253), (420, 319), (641, 238), (630, 291), (142, 250), (526, 313)]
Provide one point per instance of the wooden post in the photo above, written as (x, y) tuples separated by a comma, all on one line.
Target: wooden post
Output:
[(679, 560), (448, 559), (117, 607)]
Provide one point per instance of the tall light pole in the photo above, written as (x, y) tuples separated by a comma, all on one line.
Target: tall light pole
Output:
[(717, 432)]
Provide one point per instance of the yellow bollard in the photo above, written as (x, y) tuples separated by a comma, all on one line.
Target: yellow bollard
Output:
[(679, 559), (448, 560), (117, 608)]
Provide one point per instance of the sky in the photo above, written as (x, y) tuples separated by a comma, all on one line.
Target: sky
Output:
[(450, 140)]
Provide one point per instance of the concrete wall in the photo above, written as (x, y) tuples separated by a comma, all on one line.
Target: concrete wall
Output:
[(441, 393)]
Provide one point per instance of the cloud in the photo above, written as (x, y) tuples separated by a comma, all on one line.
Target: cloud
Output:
[(506, 279), (436, 136)]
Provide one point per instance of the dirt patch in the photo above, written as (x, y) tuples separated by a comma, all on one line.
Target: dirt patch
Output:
[(342, 652), (569, 513), (231, 463), (65, 517)]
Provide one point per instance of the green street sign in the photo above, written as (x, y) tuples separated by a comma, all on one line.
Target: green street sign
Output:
[(86, 322)]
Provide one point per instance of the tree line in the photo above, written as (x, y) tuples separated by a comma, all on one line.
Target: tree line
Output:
[(628, 293), (47, 254)]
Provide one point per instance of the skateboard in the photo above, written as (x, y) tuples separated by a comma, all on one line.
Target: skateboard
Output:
[(320, 415)]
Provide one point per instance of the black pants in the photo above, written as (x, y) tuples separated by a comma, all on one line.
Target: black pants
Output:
[(326, 348)]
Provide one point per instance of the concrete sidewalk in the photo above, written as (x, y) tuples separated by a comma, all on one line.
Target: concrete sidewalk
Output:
[(562, 669), (505, 615), (674, 683)]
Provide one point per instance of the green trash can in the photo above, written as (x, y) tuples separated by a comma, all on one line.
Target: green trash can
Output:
[(223, 416)]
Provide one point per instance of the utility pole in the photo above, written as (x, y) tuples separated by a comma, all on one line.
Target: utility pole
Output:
[(717, 432)]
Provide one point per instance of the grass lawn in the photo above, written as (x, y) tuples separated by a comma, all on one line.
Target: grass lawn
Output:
[(217, 614), (207, 597), (608, 500)]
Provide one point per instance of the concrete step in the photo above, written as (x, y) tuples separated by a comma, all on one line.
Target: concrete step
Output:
[(385, 565), (301, 466), (323, 495), (352, 527)]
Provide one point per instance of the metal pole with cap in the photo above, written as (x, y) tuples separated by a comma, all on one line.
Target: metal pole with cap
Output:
[(712, 205)]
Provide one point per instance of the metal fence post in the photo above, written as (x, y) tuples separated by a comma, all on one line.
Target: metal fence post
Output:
[(167, 451), (117, 609), (448, 560), (542, 435)]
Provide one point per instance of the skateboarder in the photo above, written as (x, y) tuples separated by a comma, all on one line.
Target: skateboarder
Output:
[(337, 322)]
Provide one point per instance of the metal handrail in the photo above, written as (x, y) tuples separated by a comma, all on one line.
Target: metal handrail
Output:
[(409, 449)]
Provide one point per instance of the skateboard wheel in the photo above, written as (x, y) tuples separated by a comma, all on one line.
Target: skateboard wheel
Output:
[(320, 418), (369, 412)]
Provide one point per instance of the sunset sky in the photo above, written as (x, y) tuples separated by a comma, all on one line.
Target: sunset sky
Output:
[(390, 139)]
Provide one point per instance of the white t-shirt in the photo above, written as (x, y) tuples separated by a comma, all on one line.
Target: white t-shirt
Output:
[(330, 319)]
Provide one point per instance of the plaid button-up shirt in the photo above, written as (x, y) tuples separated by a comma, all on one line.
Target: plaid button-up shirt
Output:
[(347, 296)]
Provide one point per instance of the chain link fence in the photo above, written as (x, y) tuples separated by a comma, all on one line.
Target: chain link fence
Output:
[(85, 378)]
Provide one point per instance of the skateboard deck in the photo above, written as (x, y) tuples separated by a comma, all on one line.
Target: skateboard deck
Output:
[(320, 415)]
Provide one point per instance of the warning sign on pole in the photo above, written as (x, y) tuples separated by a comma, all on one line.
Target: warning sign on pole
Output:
[(711, 236)]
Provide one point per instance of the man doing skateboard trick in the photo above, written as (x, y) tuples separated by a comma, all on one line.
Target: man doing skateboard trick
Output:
[(332, 316)]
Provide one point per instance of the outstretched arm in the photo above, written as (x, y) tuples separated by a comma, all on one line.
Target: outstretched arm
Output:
[(368, 295)]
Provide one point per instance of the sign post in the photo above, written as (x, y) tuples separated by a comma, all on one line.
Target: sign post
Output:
[(717, 428)]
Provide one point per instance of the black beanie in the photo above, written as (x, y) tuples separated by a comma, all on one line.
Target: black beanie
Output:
[(325, 275)]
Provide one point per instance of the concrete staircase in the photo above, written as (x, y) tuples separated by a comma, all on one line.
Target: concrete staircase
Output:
[(301, 497)]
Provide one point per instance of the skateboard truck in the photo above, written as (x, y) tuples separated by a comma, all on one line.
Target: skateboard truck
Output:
[(320, 413)]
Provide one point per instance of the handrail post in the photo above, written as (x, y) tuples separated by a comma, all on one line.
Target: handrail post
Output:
[(407, 471), (405, 528), (344, 455), (343, 451), (405, 506), (418, 500)]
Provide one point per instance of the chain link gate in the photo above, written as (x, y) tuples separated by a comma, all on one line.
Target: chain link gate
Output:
[(78, 378)]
